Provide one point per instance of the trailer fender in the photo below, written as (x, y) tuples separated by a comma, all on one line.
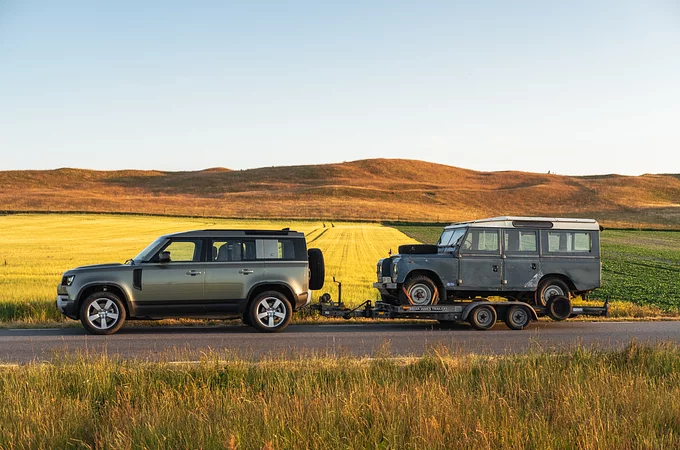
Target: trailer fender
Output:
[(500, 308)]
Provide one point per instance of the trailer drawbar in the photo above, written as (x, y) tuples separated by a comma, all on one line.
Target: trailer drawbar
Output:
[(481, 313)]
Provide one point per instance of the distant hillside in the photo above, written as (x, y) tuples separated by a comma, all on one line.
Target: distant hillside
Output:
[(376, 189)]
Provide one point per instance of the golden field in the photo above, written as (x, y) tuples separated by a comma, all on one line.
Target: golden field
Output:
[(36, 249)]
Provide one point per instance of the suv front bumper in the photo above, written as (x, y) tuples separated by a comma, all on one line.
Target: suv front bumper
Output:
[(67, 306)]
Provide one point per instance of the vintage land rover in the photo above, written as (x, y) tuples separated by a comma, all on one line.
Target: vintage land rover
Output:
[(529, 259)]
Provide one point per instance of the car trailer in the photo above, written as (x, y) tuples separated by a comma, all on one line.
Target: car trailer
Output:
[(482, 314)]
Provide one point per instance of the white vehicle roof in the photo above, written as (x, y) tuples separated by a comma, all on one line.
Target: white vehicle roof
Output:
[(527, 222)]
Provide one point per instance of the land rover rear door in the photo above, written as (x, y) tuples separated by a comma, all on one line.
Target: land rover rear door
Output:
[(521, 262), (480, 263)]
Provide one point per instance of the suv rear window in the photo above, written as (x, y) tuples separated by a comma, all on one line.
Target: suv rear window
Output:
[(284, 249)]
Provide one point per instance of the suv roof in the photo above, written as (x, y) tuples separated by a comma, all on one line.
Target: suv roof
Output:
[(237, 233), (556, 223)]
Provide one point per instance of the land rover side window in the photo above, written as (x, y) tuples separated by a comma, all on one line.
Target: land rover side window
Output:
[(284, 249), (183, 250), (481, 240), (569, 242), (233, 250), (520, 241)]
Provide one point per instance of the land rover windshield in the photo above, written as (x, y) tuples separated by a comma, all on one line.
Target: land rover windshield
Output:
[(450, 239)]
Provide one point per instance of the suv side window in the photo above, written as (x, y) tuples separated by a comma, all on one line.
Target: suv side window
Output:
[(520, 241), (482, 240), (224, 250), (284, 249), (569, 242), (182, 250)]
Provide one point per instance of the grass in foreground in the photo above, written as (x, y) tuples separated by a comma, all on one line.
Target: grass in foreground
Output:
[(583, 399)]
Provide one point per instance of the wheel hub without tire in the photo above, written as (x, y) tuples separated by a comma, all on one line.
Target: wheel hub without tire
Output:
[(420, 294)]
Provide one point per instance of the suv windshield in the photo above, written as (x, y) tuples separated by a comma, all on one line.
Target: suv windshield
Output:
[(450, 239), (150, 249)]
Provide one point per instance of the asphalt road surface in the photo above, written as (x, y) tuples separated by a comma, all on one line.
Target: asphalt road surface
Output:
[(396, 339)]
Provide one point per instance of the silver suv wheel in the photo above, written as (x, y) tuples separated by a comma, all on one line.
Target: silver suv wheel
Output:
[(102, 313), (270, 312)]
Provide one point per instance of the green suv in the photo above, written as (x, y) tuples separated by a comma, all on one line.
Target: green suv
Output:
[(261, 276)]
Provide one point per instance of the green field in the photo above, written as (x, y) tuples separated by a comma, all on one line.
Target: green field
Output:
[(36, 249), (583, 399), (640, 267)]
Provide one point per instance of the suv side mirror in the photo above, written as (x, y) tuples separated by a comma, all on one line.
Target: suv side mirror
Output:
[(164, 257)]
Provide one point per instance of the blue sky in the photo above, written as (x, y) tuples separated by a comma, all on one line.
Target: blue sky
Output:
[(578, 87)]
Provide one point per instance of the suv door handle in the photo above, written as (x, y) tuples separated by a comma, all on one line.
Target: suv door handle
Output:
[(193, 273), (245, 271)]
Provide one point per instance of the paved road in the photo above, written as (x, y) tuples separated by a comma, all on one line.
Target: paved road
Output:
[(184, 343)]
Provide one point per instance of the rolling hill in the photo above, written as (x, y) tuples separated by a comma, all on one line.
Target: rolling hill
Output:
[(375, 189)]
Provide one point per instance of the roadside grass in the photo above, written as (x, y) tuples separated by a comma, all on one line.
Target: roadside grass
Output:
[(640, 269), (585, 399), (36, 249)]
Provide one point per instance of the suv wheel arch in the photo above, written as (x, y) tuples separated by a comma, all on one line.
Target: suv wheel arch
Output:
[(283, 288), (106, 287)]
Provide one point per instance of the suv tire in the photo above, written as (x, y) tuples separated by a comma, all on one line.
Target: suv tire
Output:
[(270, 312), (550, 287), (317, 269), (420, 291), (102, 313)]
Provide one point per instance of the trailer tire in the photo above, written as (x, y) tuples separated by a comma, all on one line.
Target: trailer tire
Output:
[(559, 308), (517, 317), (317, 269), (483, 317)]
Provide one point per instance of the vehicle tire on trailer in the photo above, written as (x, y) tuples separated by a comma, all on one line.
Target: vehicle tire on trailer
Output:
[(517, 317), (559, 308), (483, 317), (102, 313), (549, 288), (419, 291), (317, 269), (270, 312)]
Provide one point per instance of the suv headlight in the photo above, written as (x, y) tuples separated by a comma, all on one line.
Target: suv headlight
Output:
[(395, 269), (67, 280), (379, 269)]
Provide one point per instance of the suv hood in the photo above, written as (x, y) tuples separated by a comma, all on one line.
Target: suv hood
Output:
[(96, 266)]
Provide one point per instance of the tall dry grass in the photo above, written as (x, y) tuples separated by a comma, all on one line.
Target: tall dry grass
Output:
[(583, 399)]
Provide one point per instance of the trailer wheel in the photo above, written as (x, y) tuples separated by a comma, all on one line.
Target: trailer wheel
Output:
[(420, 291), (483, 317), (517, 317), (559, 308)]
